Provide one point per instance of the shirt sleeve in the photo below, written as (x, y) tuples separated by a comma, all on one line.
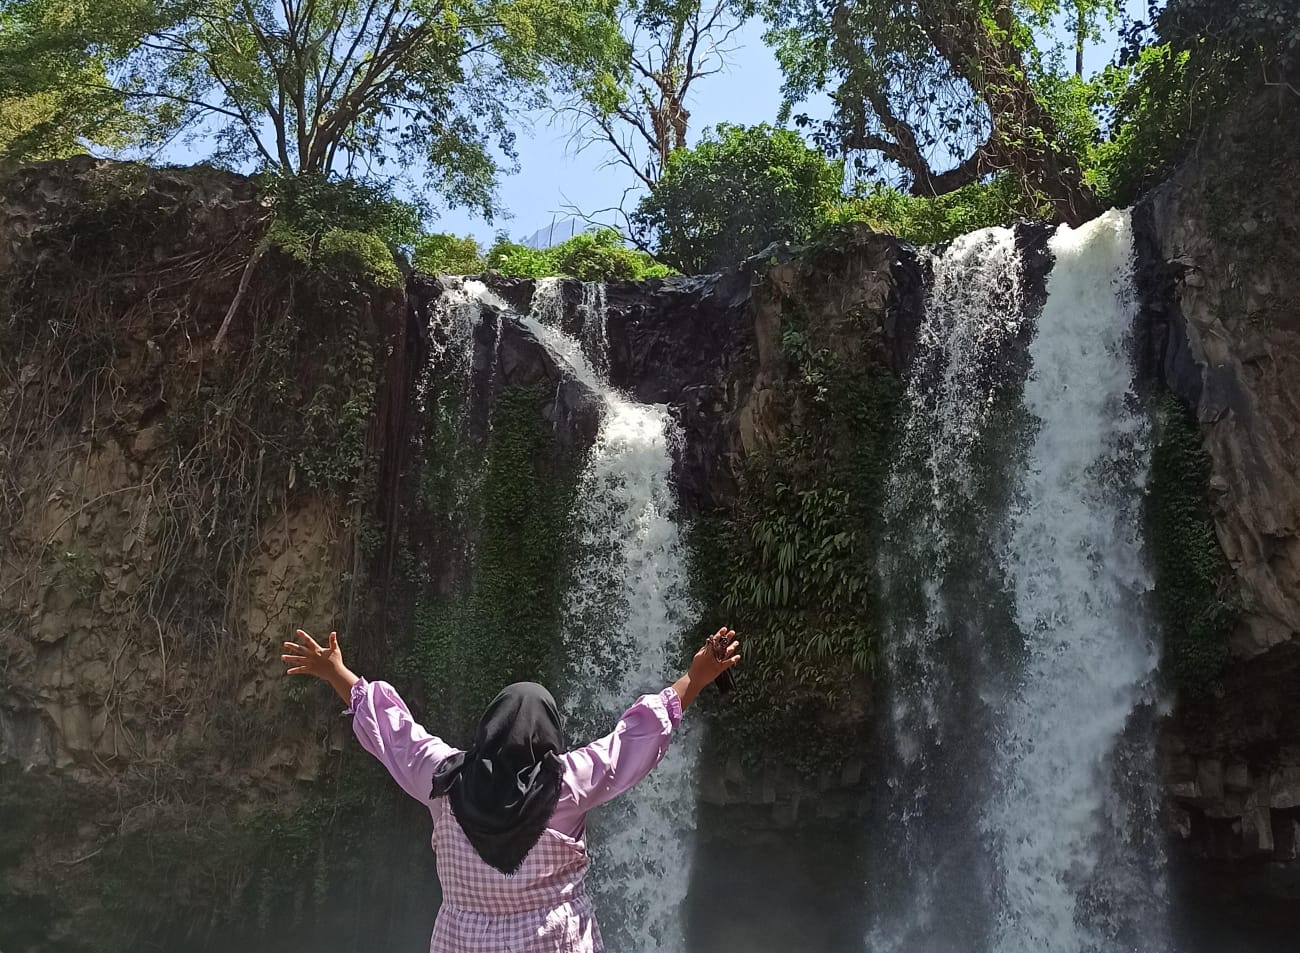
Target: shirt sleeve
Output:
[(607, 767), (385, 728)]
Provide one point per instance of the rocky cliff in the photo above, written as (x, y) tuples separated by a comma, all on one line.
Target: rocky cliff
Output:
[(167, 515), (169, 512), (1227, 230)]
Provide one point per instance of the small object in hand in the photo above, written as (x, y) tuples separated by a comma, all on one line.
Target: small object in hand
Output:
[(718, 643)]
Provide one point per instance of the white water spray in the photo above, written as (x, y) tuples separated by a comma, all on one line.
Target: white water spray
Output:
[(626, 609), (1021, 810), (974, 313), (627, 606), (1074, 562), (973, 309)]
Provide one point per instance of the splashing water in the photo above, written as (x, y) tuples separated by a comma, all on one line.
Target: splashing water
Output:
[(935, 529), (1022, 807), (627, 606), (626, 609), (1075, 563), (973, 310)]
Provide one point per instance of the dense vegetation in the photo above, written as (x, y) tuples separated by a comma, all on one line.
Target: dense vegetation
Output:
[(794, 558), (1196, 594), (735, 192), (952, 115)]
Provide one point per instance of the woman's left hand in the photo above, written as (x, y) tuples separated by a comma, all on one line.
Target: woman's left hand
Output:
[(708, 664)]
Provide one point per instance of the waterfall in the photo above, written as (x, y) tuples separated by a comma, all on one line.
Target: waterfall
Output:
[(1074, 561), (1021, 662), (626, 610), (937, 543)]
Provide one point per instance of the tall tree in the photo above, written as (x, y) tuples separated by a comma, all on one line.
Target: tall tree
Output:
[(314, 86), (737, 191), (942, 89), (641, 115)]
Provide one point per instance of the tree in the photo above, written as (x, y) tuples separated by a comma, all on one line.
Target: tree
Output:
[(641, 115), (737, 191), (1179, 71), (942, 89), (319, 86), (48, 109), (598, 255), (1085, 18), (443, 254)]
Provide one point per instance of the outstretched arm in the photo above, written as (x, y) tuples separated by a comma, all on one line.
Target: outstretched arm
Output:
[(305, 657), (381, 720), (607, 767)]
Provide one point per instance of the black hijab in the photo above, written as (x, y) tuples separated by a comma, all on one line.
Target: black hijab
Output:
[(504, 789)]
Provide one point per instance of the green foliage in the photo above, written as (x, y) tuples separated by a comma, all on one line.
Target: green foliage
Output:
[(359, 253), (329, 441), (1204, 57), (443, 254), (791, 565), (346, 229), (313, 204), (310, 87), (52, 101), (506, 626), (1155, 116), (935, 94), (934, 219), (737, 191), (590, 256), (1196, 591)]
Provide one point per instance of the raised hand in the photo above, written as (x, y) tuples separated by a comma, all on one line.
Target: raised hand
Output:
[(308, 657), (720, 653)]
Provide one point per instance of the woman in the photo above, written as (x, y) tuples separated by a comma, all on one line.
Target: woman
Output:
[(509, 812)]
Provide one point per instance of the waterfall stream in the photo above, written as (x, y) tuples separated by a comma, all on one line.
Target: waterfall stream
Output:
[(626, 609), (1069, 845), (1019, 814), (1021, 662)]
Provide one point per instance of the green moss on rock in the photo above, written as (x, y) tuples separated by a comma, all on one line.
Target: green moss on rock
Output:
[(506, 625), (1195, 594), (791, 565)]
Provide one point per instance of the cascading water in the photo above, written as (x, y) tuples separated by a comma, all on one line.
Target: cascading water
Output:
[(627, 607), (1074, 561), (934, 582), (1023, 801)]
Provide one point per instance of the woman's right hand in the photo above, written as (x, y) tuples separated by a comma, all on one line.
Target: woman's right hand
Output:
[(307, 657), (720, 652)]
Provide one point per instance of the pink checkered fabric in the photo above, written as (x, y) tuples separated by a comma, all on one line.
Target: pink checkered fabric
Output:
[(542, 908)]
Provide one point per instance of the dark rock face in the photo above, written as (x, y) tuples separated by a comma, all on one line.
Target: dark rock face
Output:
[(1219, 281), (684, 342), (709, 346), (689, 343)]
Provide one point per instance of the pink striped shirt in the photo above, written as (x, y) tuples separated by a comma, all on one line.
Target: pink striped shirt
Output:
[(543, 907)]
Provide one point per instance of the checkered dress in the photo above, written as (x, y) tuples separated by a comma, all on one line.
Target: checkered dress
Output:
[(542, 908)]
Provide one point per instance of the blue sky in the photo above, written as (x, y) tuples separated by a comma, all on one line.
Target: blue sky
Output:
[(552, 175)]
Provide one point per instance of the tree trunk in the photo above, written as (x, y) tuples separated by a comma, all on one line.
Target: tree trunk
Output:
[(1080, 37), (1024, 137)]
